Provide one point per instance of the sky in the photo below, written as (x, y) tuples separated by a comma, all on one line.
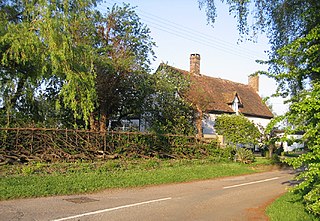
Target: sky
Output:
[(179, 28)]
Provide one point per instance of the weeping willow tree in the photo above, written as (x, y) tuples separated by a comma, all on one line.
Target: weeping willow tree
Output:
[(46, 51), (65, 64), (293, 29)]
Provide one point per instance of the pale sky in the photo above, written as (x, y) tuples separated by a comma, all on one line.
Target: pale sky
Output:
[(179, 28)]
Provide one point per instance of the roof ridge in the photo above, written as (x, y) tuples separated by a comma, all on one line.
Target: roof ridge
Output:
[(207, 76)]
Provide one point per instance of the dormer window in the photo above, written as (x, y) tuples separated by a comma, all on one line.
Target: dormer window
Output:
[(235, 104)]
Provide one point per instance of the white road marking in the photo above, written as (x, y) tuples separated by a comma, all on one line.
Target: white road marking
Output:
[(244, 184), (111, 209)]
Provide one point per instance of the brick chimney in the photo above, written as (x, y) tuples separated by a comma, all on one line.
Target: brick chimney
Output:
[(253, 81), (195, 64)]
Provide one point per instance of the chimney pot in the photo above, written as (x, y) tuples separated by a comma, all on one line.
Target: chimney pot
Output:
[(195, 64)]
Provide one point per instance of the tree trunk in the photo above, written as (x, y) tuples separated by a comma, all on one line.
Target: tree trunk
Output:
[(18, 93), (271, 149), (92, 123), (102, 122)]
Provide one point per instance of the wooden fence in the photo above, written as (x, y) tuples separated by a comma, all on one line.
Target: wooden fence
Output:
[(43, 144)]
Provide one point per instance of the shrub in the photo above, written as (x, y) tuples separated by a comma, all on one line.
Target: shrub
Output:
[(244, 156), (216, 151), (230, 152), (237, 129), (275, 159)]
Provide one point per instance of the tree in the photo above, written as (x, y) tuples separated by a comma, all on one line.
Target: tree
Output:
[(270, 137), (284, 22), (123, 53), (304, 112), (54, 58), (167, 111), (199, 101), (237, 129), (294, 33), (19, 70), (78, 63), (305, 116)]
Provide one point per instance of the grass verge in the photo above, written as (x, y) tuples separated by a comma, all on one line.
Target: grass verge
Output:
[(288, 207), (40, 179)]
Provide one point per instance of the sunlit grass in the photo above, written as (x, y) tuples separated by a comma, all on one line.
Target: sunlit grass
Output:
[(289, 207), (69, 178)]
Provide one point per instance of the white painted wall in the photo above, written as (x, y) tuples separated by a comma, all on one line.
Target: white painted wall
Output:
[(209, 121), (295, 145), (259, 121)]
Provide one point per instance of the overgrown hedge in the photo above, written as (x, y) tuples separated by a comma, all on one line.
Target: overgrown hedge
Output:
[(50, 145)]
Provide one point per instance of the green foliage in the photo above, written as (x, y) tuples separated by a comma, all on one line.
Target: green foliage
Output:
[(294, 33), (123, 54), (168, 111), (237, 129), (244, 156), (72, 61), (297, 64), (304, 111), (289, 207), (219, 153), (282, 21), (53, 61), (81, 177), (275, 159)]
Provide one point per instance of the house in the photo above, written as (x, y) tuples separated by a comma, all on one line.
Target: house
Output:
[(215, 96), (291, 142)]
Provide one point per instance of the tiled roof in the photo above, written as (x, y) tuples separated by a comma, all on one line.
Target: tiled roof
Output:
[(215, 95)]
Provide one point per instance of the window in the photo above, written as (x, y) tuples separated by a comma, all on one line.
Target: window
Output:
[(235, 105)]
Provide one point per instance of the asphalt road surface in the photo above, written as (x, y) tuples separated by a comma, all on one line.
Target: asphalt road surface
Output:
[(232, 198)]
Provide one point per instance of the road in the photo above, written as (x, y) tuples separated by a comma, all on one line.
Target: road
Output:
[(232, 198)]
